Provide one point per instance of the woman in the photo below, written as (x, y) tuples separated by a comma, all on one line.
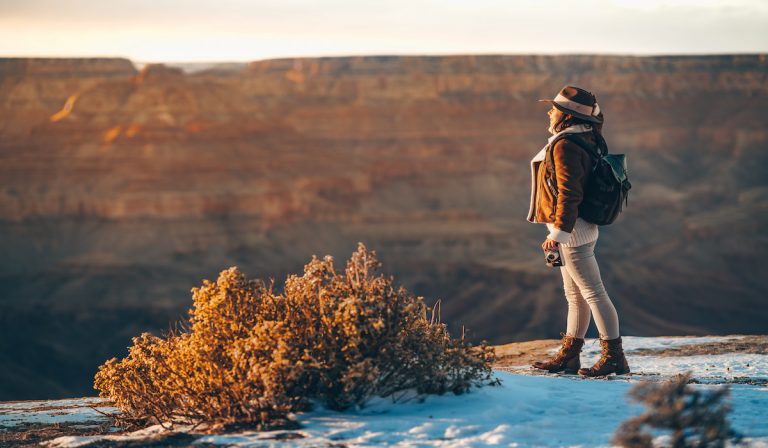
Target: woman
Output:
[(574, 110)]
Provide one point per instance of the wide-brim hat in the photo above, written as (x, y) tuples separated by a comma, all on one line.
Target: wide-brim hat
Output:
[(577, 102)]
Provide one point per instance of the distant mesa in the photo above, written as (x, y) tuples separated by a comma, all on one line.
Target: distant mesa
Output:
[(152, 72), (53, 68)]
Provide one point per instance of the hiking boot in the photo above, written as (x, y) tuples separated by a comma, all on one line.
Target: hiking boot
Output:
[(612, 360), (567, 359)]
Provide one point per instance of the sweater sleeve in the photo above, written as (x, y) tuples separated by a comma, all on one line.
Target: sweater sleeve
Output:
[(569, 173)]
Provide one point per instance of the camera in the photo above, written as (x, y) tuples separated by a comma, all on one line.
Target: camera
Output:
[(553, 258)]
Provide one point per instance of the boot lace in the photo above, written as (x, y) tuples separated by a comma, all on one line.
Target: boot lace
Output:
[(605, 355), (564, 346)]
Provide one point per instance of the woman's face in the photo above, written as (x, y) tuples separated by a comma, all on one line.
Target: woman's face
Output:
[(554, 116)]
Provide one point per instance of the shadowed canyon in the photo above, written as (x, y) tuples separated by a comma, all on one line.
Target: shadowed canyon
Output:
[(122, 187)]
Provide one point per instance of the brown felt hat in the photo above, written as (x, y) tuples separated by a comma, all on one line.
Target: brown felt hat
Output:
[(577, 102)]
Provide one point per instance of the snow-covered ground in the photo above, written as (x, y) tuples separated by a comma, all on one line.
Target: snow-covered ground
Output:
[(76, 410), (726, 367), (528, 409)]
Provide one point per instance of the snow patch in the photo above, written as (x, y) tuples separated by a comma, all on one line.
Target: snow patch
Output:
[(73, 410)]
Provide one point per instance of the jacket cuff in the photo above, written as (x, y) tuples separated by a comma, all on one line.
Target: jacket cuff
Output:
[(558, 235)]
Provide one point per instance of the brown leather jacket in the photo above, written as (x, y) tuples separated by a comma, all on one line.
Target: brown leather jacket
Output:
[(572, 166)]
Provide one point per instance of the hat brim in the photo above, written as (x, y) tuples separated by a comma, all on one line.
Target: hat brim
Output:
[(573, 112)]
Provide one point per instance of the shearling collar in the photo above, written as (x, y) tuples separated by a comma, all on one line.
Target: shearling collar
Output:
[(569, 130)]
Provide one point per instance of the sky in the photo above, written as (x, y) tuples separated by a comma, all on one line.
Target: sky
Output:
[(247, 30)]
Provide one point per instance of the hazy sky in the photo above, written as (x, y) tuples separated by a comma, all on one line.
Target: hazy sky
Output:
[(245, 30)]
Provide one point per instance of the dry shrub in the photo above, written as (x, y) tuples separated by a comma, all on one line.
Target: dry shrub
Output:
[(250, 357), (691, 417)]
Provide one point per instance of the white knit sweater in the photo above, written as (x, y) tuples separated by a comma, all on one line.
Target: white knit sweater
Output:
[(583, 232)]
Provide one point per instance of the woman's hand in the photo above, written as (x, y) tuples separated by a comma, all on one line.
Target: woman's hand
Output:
[(550, 244)]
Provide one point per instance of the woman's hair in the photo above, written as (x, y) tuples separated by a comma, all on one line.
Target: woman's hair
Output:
[(567, 120)]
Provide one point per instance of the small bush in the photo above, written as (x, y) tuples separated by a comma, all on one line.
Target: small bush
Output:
[(250, 357), (691, 417)]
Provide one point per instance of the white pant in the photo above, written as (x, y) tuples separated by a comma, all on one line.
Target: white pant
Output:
[(585, 291)]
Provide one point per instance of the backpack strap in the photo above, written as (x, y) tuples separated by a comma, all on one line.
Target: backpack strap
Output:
[(597, 152)]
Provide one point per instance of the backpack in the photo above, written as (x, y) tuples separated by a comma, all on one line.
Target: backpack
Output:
[(607, 185)]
